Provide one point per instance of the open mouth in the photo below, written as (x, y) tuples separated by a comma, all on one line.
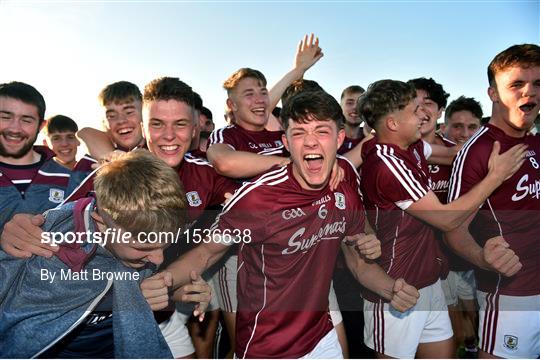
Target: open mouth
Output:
[(13, 138), (259, 111), (125, 131), (314, 162), (169, 149), (528, 107), (65, 152)]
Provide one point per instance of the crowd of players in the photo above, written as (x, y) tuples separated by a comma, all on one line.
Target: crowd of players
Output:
[(437, 225)]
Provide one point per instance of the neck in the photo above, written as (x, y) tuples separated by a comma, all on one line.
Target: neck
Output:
[(70, 165), (499, 120), (351, 131), (389, 139), (250, 127), (430, 138), (29, 158)]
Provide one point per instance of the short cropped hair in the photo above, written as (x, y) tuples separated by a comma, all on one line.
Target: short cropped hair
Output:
[(206, 112), (463, 103), (60, 123), (169, 88), (353, 89), (433, 89), (308, 106), (298, 86), (140, 192), (25, 93), (119, 92), (233, 80), (524, 55), (382, 98), (198, 102)]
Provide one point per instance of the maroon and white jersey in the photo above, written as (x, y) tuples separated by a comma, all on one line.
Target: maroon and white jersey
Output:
[(284, 272), (258, 142), (440, 175), (350, 143), (203, 186), (512, 210), (393, 179)]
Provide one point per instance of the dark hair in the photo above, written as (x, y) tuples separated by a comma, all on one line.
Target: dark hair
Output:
[(206, 112), (523, 55), (353, 89), (464, 103), (25, 93), (233, 80), (121, 91), (433, 89), (198, 102), (383, 97), (169, 88), (308, 106), (299, 86), (60, 123)]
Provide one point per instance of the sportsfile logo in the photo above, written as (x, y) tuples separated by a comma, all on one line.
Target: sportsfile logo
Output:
[(525, 188), (292, 213)]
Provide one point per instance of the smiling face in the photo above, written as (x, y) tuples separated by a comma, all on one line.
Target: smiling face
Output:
[(313, 148), (516, 99), (64, 144), (123, 122), (249, 102), (348, 105), (19, 127), (168, 128), (408, 123), (432, 112), (461, 125)]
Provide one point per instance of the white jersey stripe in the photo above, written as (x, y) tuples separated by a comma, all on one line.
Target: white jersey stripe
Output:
[(279, 174), (454, 188), (263, 306), (41, 172), (406, 169), (22, 181), (385, 158)]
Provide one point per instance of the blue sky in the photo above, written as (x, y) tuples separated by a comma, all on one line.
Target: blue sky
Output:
[(69, 50)]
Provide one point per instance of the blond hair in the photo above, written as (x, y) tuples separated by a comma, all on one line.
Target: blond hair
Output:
[(233, 80), (140, 192)]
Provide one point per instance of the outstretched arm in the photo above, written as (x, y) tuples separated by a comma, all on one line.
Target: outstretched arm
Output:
[(307, 54)]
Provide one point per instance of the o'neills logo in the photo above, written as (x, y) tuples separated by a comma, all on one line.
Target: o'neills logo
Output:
[(296, 243), (523, 189)]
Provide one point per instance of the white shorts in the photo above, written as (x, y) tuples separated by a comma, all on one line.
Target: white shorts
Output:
[(509, 326), (333, 305), (176, 335), (327, 348), (225, 283), (459, 285), (397, 334)]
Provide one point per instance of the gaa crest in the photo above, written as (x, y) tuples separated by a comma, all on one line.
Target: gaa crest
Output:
[(193, 198), (56, 195), (510, 342), (340, 200)]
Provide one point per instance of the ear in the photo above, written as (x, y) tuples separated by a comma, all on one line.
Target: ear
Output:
[(340, 137), (391, 123), (99, 221), (284, 140), (493, 95), (231, 105)]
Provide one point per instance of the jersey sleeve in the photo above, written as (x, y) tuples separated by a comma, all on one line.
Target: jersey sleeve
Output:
[(221, 186), (222, 136), (243, 218), (398, 183), (468, 169)]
